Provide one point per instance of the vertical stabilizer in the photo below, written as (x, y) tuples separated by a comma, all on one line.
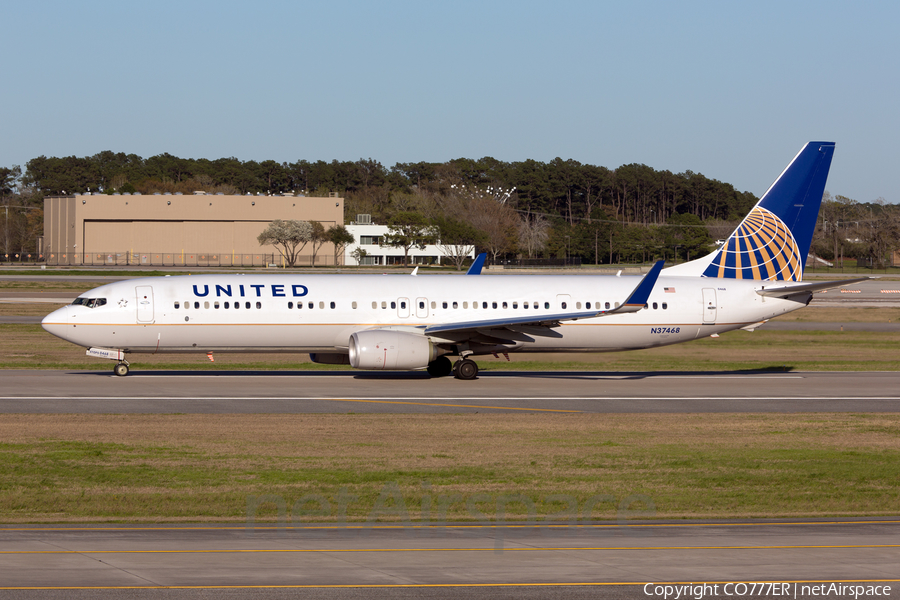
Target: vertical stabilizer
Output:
[(772, 242)]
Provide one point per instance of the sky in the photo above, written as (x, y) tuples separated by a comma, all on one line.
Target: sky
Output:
[(730, 90)]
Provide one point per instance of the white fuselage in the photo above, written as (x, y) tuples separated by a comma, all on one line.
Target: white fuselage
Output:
[(319, 313)]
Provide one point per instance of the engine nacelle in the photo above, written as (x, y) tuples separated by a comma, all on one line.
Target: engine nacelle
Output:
[(392, 350)]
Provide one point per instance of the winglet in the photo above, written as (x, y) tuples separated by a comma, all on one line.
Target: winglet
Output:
[(477, 264), (415, 272), (641, 293)]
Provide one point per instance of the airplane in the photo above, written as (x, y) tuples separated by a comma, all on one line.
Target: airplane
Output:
[(398, 322)]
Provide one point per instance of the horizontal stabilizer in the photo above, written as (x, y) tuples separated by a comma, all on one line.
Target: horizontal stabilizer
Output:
[(787, 290)]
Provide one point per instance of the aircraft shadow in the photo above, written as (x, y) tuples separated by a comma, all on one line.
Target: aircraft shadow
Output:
[(421, 375)]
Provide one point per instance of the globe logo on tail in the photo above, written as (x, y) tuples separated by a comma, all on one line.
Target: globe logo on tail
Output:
[(761, 248)]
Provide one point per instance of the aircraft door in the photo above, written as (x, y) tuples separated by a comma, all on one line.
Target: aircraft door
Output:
[(709, 306), (144, 296), (422, 308), (403, 308)]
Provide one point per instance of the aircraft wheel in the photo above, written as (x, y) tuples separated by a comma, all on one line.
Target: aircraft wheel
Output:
[(440, 367), (466, 369), (121, 369)]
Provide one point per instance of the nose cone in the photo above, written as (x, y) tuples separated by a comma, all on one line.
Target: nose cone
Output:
[(56, 322)]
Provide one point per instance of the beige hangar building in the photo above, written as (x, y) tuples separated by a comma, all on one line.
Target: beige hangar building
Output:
[(178, 230)]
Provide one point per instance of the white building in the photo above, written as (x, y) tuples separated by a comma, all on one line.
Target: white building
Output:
[(368, 236)]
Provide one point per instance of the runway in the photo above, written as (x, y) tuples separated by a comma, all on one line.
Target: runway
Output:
[(495, 391), (462, 560)]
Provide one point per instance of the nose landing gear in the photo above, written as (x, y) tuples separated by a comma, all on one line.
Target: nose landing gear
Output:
[(121, 369)]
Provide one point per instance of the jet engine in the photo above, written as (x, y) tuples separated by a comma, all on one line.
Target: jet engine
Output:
[(388, 349)]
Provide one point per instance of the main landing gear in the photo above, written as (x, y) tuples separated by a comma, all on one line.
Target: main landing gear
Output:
[(466, 368), (121, 369), (440, 367)]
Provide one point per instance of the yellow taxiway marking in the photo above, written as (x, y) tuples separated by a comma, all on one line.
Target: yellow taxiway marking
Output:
[(557, 410), (483, 549)]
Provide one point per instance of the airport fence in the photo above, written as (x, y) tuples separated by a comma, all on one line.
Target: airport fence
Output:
[(181, 259)]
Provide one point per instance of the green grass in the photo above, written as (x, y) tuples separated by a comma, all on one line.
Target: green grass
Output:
[(67, 468)]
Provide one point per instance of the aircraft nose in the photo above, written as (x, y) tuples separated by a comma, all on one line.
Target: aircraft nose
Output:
[(56, 321)]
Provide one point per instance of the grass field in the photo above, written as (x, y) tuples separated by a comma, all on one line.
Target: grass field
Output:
[(77, 468)]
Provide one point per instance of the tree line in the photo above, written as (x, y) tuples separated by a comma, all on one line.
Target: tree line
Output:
[(560, 208)]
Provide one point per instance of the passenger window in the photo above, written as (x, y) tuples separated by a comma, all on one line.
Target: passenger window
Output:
[(353, 304), (433, 304), (607, 305), (546, 305), (237, 305), (321, 304), (246, 305), (196, 305), (465, 305), (332, 305), (455, 305), (505, 305), (393, 304), (536, 305), (515, 305), (259, 305), (484, 305), (216, 304), (443, 305), (587, 305), (563, 305), (493, 305), (421, 304), (665, 306), (403, 305), (226, 305), (310, 305), (655, 306), (383, 304), (374, 304), (206, 304), (290, 305), (578, 305), (177, 304)]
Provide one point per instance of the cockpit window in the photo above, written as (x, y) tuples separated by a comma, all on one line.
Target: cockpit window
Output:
[(89, 302)]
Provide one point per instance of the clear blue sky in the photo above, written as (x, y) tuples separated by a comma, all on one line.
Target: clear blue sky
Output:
[(731, 90)]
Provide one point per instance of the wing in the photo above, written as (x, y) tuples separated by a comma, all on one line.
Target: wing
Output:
[(522, 328)]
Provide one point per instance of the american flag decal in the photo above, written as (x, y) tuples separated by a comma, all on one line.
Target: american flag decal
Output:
[(669, 290)]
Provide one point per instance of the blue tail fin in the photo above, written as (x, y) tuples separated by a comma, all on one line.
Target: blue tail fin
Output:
[(772, 242)]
